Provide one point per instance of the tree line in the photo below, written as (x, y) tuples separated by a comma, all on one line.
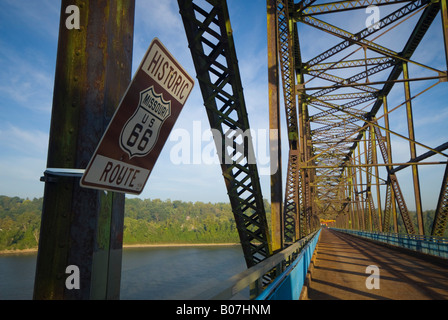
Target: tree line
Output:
[(19, 223), (145, 222), (157, 221)]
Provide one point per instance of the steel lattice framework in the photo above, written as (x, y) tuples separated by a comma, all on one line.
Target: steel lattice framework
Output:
[(342, 95), (210, 40), (338, 126)]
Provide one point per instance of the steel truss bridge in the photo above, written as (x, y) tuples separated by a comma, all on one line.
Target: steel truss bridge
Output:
[(345, 95), (338, 117)]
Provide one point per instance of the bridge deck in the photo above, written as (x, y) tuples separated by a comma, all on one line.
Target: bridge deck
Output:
[(340, 272)]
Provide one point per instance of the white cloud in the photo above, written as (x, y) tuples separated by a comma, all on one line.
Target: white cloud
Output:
[(24, 142), (26, 79), (160, 19), (41, 16)]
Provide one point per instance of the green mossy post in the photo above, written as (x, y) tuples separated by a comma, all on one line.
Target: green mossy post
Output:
[(84, 227)]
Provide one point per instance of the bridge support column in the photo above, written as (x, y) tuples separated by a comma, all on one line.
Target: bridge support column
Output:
[(416, 180), (82, 229), (389, 156), (274, 126), (441, 214), (377, 180), (363, 211), (444, 11)]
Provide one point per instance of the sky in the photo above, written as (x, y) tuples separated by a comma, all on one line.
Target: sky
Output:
[(28, 44)]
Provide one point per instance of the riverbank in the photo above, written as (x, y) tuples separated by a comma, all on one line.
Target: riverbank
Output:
[(17, 251), (158, 245), (125, 246)]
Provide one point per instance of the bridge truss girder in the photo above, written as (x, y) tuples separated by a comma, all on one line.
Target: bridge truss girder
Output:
[(345, 138), (335, 131), (209, 34)]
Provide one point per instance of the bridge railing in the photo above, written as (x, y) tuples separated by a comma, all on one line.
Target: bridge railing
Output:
[(436, 246), (288, 286), (296, 254)]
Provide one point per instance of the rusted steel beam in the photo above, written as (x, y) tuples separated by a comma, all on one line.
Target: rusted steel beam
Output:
[(441, 216), (340, 6), (424, 156), (294, 200), (444, 15), (395, 186), (286, 55), (422, 26), (413, 151), (84, 227), (208, 25), (293, 205), (363, 34), (277, 220)]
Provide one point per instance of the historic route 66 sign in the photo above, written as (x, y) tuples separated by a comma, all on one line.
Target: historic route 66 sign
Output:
[(129, 148), (141, 131)]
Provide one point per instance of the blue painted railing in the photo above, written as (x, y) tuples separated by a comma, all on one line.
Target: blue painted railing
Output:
[(435, 246), (288, 285)]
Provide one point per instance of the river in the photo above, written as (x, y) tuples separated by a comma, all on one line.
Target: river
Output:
[(150, 273)]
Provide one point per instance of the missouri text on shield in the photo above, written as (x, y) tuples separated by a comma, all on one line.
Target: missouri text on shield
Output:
[(141, 124), (141, 131)]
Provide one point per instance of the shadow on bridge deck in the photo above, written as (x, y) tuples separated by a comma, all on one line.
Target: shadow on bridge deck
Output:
[(340, 272)]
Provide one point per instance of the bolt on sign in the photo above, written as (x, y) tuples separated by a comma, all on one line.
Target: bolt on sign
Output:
[(141, 124)]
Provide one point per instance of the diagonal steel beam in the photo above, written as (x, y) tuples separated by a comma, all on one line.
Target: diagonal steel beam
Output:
[(212, 48), (441, 216), (340, 6), (419, 31), (360, 36)]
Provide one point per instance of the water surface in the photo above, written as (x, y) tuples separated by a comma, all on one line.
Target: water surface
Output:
[(151, 273)]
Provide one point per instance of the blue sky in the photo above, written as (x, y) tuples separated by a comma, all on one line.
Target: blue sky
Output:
[(28, 43)]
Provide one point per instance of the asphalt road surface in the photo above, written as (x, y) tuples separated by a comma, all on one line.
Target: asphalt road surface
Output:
[(350, 268)]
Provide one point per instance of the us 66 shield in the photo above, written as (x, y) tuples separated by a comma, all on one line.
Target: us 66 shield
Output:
[(141, 132)]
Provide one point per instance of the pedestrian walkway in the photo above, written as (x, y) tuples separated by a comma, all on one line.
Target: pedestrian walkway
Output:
[(340, 272)]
